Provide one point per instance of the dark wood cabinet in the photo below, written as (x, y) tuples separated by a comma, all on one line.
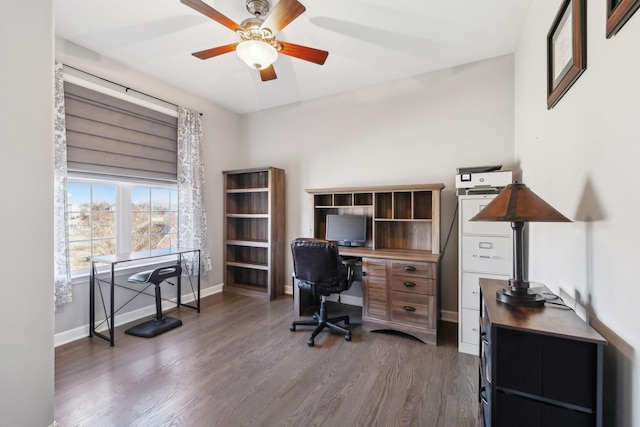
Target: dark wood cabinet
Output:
[(539, 366)]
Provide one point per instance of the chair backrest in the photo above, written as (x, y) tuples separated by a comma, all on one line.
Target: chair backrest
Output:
[(316, 261), (161, 274)]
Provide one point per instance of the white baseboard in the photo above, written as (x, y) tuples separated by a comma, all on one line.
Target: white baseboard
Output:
[(130, 316)]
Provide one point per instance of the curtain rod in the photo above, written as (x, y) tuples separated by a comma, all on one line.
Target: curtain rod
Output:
[(126, 88)]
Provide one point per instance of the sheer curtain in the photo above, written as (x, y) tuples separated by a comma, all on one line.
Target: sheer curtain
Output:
[(61, 273), (192, 217)]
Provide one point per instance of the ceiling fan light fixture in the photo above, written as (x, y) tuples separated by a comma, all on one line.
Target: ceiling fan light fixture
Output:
[(257, 54)]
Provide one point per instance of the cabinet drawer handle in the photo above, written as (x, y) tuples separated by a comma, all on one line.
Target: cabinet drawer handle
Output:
[(409, 308), (409, 268), (484, 256), (483, 397), (410, 284), (484, 339)]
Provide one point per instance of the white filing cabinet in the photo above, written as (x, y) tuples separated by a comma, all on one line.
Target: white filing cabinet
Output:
[(485, 250)]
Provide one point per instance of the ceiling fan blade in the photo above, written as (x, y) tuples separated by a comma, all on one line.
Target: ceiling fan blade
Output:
[(215, 51), (302, 52), (207, 10), (282, 15), (268, 73)]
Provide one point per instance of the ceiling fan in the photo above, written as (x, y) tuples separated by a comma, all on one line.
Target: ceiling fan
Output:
[(259, 49)]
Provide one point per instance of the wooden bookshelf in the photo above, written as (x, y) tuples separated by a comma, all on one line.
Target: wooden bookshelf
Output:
[(254, 232)]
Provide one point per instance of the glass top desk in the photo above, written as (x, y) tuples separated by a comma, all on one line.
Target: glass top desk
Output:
[(185, 257)]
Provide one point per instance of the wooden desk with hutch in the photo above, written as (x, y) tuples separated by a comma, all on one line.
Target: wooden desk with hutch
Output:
[(400, 259)]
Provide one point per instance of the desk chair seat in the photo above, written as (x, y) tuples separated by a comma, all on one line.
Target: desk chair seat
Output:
[(160, 323), (319, 270)]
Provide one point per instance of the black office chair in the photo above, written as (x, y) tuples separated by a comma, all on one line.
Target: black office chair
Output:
[(320, 271), (161, 323)]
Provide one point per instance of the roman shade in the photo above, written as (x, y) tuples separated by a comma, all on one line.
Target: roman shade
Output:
[(113, 137)]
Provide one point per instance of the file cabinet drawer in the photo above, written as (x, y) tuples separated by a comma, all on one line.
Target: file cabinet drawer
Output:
[(470, 288), (486, 254), (470, 329), (470, 207)]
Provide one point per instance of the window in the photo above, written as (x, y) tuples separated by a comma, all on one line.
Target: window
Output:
[(154, 218), (107, 217)]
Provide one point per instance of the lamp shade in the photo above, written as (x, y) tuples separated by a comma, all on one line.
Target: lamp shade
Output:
[(517, 203), (257, 54)]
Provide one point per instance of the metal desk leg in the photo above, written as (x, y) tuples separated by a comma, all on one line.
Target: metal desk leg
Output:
[(111, 324), (198, 303), (179, 298), (92, 299)]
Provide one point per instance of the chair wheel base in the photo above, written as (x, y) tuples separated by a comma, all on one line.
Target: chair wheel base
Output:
[(292, 327), (154, 327), (310, 342), (347, 337)]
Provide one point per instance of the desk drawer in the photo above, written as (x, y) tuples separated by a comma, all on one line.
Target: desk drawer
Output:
[(416, 285), (413, 268), (413, 309)]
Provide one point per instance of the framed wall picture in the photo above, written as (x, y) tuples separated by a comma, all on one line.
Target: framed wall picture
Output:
[(566, 49), (618, 13)]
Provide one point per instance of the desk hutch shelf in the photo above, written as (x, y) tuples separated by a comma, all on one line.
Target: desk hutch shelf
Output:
[(254, 230), (400, 259)]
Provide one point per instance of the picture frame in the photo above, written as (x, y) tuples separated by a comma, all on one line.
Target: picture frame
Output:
[(566, 49), (618, 13)]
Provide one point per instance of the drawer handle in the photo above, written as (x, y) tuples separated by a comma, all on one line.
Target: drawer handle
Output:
[(410, 284), (409, 308), (484, 339), (484, 256), (409, 268), (483, 397)]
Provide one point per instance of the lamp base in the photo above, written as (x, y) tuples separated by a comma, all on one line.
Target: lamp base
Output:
[(520, 297)]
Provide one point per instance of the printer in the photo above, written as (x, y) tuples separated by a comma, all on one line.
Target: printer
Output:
[(482, 180)]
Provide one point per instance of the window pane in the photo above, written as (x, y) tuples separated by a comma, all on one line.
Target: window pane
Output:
[(160, 222), (79, 226), (79, 254), (103, 224), (139, 243), (160, 241), (103, 197), (174, 222), (160, 199), (174, 200), (140, 198), (140, 222), (78, 196), (104, 247)]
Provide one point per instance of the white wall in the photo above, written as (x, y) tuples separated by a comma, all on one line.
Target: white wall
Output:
[(26, 123), (411, 131), (221, 147), (582, 157)]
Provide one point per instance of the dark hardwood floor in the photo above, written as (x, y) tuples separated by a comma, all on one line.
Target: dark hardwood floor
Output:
[(237, 364)]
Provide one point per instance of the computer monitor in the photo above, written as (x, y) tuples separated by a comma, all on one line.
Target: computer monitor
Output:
[(347, 229)]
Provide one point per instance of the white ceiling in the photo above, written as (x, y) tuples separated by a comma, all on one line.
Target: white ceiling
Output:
[(369, 42)]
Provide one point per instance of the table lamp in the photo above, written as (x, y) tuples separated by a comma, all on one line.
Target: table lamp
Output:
[(517, 204)]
